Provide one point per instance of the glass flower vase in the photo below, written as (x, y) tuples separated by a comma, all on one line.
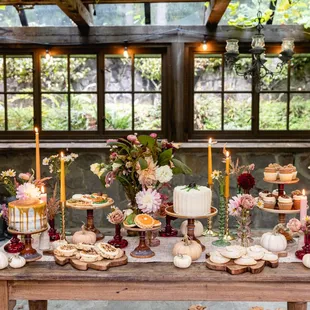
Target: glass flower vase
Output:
[(221, 214), (244, 228), (305, 249)]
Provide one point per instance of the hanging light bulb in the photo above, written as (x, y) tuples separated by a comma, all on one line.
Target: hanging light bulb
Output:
[(47, 55), (125, 53), (204, 44)]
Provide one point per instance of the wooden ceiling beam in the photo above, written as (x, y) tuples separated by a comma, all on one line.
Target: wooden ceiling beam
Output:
[(215, 12), (77, 12)]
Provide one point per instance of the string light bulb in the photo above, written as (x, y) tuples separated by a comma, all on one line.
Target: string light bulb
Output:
[(204, 44), (125, 53), (47, 55)]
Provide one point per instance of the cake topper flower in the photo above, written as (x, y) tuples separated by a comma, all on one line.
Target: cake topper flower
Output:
[(27, 190)]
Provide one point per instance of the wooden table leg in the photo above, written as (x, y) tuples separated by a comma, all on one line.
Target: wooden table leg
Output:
[(296, 306), (37, 304), (4, 295)]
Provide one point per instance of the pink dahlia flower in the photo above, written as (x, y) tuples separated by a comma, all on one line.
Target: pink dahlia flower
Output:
[(148, 201)]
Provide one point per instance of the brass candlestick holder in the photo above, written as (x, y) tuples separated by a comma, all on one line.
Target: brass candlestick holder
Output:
[(209, 232), (63, 220), (227, 236)]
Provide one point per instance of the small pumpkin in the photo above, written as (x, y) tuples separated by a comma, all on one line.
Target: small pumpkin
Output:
[(17, 261), (4, 261), (306, 260), (84, 236), (198, 228), (273, 241), (187, 247), (182, 261)]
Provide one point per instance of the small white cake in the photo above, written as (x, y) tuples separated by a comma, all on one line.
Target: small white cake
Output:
[(192, 200)]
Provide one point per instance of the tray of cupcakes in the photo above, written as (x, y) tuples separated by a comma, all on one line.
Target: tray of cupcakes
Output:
[(236, 259), (278, 174)]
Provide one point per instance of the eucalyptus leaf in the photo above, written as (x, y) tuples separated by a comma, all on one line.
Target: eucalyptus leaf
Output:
[(143, 163), (146, 141), (180, 167), (165, 157)]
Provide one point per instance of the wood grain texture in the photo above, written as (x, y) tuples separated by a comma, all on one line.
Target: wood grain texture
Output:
[(4, 295), (37, 304), (215, 11), (296, 306)]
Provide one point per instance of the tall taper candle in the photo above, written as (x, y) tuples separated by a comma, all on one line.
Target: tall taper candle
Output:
[(210, 181), (62, 178), (303, 207), (38, 161), (43, 196), (227, 175)]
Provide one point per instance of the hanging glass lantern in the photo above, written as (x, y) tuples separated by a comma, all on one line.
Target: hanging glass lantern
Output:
[(232, 46)]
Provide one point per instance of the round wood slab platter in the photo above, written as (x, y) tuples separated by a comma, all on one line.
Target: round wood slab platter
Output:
[(235, 269), (109, 203), (282, 182), (135, 228), (102, 265), (276, 211), (170, 211)]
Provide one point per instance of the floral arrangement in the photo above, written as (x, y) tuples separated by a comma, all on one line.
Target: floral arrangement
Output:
[(239, 207), (116, 216), (53, 162), (296, 226), (53, 204), (143, 165), (4, 212)]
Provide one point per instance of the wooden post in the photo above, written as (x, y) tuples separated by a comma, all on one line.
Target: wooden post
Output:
[(296, 306), (37, 304), (4, 295)]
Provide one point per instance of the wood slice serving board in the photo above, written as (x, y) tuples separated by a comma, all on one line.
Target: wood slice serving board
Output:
[(234, 269), (102, 265)]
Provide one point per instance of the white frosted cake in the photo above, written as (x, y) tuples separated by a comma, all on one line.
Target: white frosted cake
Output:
[(27, 215), (192, 200)]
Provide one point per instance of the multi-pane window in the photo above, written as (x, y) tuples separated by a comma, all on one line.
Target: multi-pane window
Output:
[(69, 93), (16, 92), (133, 92)]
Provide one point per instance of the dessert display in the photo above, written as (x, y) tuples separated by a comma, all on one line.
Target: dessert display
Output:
[(232, 252), (264, 193), (297, 197), (275, 193), (27, 215), (192, 200), (92, 200), (286, 174), (245, 260), (144, 221), (285, 202), (269, 201), (108, 251), (66, 250), (276, 172), (89, 256), (217, 258), (270, 173), (256, 252)]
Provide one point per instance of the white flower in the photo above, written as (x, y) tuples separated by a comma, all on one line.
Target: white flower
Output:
[(101, 172), (27, 190), (127, 212), (128, 164), (51, 168), (8, 173), (164, 174), (95, 168), (115, 166), (148, 201), (45, 161), (67, 158), (74, 155)]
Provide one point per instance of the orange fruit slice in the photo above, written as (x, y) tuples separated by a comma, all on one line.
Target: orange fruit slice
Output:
[(144, 221)]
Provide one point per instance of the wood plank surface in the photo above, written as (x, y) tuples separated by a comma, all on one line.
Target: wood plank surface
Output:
[(37, 304), (4, 295), (296, 306), (215, 11)]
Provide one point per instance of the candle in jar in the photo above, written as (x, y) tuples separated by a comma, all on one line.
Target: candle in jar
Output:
[(43, 194), (210, 181), (227, 175), (38, 162), (303, 207), (62, 178)]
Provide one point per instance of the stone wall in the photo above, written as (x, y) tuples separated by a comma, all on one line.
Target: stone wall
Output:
[(82, 180)]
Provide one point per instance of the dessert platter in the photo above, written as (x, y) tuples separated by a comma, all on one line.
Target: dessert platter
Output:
[(90, 203), (236, 259), (100, 256)]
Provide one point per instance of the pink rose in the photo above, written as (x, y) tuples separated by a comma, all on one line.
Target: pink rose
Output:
[(153, 135), (247, 201), (113, 155), (111, 140), (132, 138), (24, 176), (294, 225)]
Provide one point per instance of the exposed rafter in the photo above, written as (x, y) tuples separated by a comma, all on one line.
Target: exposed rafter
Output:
[(215, 11), (22, 15), (272, 7), (77, 12)]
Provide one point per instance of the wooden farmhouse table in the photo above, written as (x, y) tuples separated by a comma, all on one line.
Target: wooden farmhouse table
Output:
[(42, 281)]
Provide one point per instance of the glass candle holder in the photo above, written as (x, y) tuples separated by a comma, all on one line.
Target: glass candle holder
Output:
[(232, 46), (287, 44), (258, 41)]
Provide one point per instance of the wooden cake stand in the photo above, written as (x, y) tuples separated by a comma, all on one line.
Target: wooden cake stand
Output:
[(90, 216), (142, 250), (191, 222), (28, 253)]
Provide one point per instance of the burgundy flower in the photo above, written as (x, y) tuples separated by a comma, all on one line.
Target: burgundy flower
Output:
[(246, 181)]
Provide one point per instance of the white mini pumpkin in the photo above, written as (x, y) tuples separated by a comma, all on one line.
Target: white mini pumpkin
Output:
[(187, 247), (17, 261), (198, 228), (182, 261), (273, 242), (84, 236), (4, 261), (306, 260)]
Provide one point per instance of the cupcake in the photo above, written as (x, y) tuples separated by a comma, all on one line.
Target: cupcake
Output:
[(270, 173), (269, 201), (264, 194), (294, 171), (275, 193), (285, 202), (286, 174), (296, 195)]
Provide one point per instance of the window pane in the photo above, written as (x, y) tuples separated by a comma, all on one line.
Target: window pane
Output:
[(235, 82), (119, 14), (118, 112), (208, 73), (84, 112), (48, 15), (148, 111), (272, 111), (117, 73), (148, 73), (54, 76), (9, 17), (2, 121), (207, 111), (83, 73), (278, 81), (20, 112), (177, 13), (300, 112), (19, 73), (237, 111), (300, 73), (54, 112), (1, 73)]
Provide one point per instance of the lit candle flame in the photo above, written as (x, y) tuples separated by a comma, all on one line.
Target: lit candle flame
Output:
[(42, 189), (210, 141), (62, 154), (227, 154), (303, 192), (36, 129)]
